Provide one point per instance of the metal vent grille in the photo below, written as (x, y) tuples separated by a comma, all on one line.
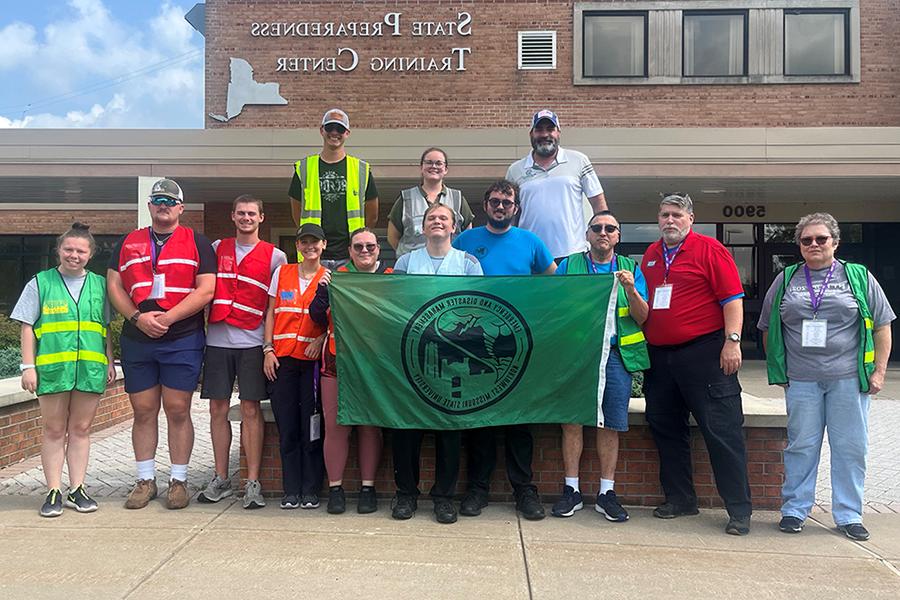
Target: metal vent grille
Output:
[(537, 49)]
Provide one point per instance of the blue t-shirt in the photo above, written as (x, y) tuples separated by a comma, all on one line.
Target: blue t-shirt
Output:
[(516, 252), (640, 284)]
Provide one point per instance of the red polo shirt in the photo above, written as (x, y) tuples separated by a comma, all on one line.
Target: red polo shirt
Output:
[(703, 275)]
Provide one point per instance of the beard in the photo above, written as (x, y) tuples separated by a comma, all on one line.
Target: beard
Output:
[(545, 147), (500, 223), (673, 237)]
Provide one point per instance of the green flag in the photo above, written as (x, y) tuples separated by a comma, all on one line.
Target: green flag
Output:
[(429, 352)]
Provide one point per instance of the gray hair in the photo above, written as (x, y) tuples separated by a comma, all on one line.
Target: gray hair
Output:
[(818, 219), (682, 201)]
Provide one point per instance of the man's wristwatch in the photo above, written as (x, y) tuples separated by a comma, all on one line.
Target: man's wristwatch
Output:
[(735, 337), (134, 317), (23, 367)]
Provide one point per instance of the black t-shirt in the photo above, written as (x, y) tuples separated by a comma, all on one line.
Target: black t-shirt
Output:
[(208, 264), (333, 188)]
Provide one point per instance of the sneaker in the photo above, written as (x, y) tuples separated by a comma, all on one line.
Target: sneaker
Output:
[(337, 503), (472, 504), (177, 495), (529, 504), (143, 492), (53, 505), (80, 501), (567, 505), (668, 510), (608, 506), (855, 531), (738, 526), (790, 525), (309, 501), (444, 511), (216, 490), (403, 507), (290, 501), (253, 497), (368, 501)]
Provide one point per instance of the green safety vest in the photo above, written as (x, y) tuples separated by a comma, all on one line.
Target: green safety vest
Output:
[(357, 182), (632, 344), (71, 338), (776, 358)]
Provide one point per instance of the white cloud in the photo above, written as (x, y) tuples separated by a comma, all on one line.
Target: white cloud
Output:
[(18, 44), (95, 116)]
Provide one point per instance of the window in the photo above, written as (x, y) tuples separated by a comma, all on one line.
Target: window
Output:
[(615, 44), (715, 44), (816, 42)]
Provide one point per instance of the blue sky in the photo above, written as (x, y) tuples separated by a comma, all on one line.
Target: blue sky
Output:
[(100, 63)]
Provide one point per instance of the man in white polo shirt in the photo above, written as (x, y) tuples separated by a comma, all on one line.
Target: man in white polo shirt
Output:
[(552, 183)]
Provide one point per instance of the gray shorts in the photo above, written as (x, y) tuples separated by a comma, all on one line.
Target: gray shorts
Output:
[(222, 365)]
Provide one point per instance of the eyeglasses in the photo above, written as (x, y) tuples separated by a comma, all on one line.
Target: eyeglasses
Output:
[(607, 228), (819, 239), (334, 128), (498, 202), (434, 163), (370, 248), (163, 201)]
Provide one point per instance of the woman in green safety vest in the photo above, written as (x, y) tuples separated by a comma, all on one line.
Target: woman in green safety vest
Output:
[(67, 361), (827, 330)]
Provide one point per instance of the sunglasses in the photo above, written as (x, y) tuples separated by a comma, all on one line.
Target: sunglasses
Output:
[(164, 201), (504, 202), (335, 127), (602, 228), (367, 247), (819, 239)]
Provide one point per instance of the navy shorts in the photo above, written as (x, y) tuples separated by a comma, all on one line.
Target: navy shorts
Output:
[(616, 394), (172, 363)]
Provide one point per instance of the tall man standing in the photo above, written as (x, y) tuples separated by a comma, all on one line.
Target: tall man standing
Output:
[(694, 336), (327, 189), (503, 250), (552, 183), (160, 279), (234, 347)]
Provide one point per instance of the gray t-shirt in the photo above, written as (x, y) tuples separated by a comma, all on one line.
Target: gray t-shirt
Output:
[(473, 267), (28, 308), (838, 359), (223, 335)]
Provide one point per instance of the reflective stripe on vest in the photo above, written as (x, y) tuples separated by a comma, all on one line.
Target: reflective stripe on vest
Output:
[(69, 326)]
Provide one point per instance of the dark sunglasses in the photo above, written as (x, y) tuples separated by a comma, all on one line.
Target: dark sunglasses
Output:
[(335, 127), (820, 240), (504, 202), (607, 228), (367, 247), (164, 201)]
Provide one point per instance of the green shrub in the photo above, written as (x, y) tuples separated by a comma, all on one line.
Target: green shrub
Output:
[(637, 385), (9, 361), (9, 332)]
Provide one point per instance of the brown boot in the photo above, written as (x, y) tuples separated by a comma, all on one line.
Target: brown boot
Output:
[(177, 496), (144, 491)]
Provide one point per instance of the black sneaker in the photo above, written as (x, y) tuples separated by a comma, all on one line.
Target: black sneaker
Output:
[(790, 525), (567, 505), (53, 505), (667, 510), (80, 501), (368, 501), (309, 501), (337, 503), (855, 531), (403, 507), (290, 501), (444, 511), (738, 526), (608, 506), (472, 504), (529, 504)]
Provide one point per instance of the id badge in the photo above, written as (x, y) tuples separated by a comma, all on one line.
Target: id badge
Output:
[(315, 427), (159, 286), (814, 333), (662, 297)]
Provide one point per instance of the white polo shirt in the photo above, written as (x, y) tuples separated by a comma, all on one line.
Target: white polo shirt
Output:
[(552, 199)]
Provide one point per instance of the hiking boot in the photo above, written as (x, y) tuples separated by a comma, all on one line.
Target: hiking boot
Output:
[(368, 501), (143, 492), (337, 503), (668, 510), (53, 505), (444, 511), (290, 501), (738, 526), (177, 495), (216, 490), (790, 525), (309, 501), (608, 506), (80, 501), (567, 505), (529, 504), (855, 531), (253, 497), (472, 504), (403, 507)]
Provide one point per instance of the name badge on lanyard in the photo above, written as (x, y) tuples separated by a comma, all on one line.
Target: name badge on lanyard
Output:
[(662, 295), (814, 332), (158, 290)]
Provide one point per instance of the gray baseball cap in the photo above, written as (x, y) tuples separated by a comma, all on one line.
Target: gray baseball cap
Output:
[(167, 188)]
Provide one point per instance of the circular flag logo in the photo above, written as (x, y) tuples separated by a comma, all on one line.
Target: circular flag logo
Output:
[(464, 351)]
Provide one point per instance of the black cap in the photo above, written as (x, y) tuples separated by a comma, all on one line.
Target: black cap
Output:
[(311, 229)]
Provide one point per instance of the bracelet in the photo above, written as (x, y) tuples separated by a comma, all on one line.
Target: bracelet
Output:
[(268, 350)]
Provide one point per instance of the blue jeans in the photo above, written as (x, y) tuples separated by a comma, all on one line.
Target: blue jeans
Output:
[(843, 409), (617, 393)]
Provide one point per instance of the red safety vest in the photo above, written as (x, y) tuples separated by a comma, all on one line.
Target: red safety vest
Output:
[(178, 260), (294, 329), (242, 290)]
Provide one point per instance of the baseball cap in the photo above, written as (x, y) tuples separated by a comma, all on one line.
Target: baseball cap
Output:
[(544, 114), (336, 115), (311, 229), (167, 188)]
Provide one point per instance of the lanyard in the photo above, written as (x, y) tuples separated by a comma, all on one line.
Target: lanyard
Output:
[(152, 250), (816, 299), (594, 268), (669, 257)]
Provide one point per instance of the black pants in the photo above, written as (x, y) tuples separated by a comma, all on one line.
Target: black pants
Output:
[(685, 380), (481, 446), (295, 398), (407, 447)]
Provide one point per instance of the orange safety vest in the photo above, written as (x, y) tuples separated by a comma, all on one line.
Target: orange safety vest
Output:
[(178, 261), (242, 290), (294, 328)]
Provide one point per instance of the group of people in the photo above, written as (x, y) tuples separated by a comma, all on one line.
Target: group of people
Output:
[(679, 317)]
